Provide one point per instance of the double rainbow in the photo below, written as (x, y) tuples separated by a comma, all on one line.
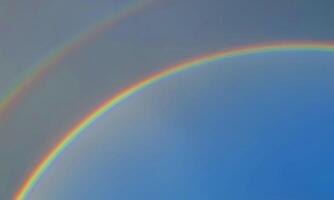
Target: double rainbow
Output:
[(72, 134)]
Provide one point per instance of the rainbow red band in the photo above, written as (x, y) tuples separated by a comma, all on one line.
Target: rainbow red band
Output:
[(136, 87)]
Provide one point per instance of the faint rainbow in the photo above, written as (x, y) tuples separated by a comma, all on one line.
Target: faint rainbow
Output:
[(138, 86), (35, 73)]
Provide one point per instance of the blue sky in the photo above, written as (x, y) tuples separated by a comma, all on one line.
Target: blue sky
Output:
[(254, 127), (264, 103)]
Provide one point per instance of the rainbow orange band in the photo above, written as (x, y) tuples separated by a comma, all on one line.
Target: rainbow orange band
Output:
[(136, 87)]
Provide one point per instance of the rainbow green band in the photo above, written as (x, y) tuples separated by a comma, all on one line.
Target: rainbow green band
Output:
[(71, 135)]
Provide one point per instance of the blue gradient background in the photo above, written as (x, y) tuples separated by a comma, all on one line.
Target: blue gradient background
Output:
[(253, 127), (256, 127)]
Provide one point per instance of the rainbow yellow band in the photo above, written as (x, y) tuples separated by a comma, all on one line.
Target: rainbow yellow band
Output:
[(72, 134)]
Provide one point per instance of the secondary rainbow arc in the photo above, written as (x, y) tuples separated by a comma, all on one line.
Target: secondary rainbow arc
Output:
[(72, 134), (37, 71)]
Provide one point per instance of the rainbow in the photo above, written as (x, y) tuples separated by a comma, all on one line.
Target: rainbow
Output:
[(36, 72), (72, 134)]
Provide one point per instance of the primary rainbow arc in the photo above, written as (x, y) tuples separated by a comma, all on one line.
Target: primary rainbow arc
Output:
[(72, 134)]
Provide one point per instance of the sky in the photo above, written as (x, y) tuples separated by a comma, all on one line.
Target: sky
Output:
[(256, 127), (221, 132)]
